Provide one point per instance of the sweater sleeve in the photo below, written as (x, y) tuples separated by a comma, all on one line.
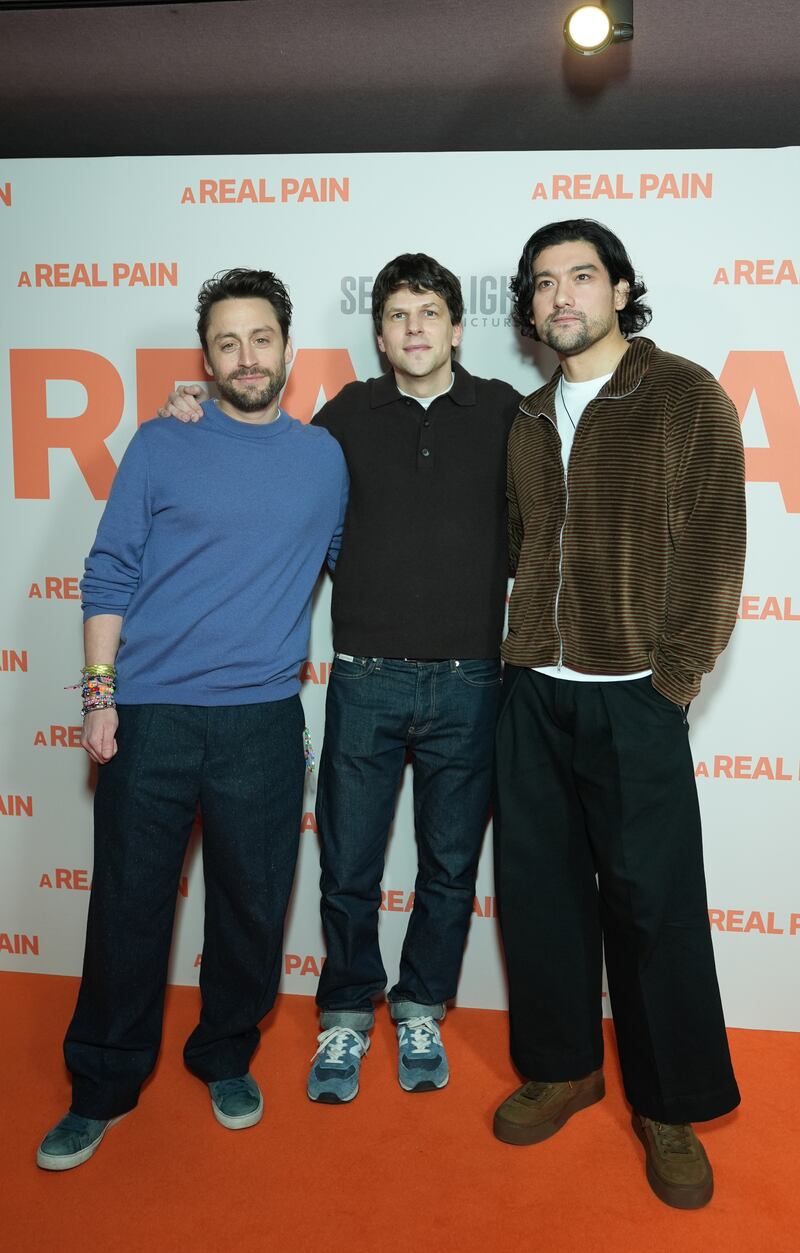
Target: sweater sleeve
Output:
[(705, 468), (113, 568), (336, 539)]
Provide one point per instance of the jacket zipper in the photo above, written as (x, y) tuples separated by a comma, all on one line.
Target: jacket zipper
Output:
[(560, 661)]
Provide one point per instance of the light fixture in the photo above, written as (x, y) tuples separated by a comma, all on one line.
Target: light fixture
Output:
[(590, 28)]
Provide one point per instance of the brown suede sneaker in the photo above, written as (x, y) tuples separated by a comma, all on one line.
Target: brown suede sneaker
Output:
[(678, 1170), (537, 1110)]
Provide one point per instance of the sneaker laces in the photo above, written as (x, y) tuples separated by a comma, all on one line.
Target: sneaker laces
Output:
[(537, 1090), (423, 1032), (674, 1138), (233, 1087), (335, 1042)]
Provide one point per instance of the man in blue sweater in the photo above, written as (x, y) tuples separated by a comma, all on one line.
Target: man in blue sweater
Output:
[(196, 601)]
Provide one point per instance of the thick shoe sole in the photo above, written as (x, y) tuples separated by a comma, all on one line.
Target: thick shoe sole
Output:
[(424, 1085), (68, 1161), (238, 1122), (332, 1098), (678, 1196), (518, 1133)]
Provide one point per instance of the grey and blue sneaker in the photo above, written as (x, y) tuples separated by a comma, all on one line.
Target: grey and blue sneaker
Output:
[(236, 1103), (72, 1141), (333, 1079), (422, 1061)]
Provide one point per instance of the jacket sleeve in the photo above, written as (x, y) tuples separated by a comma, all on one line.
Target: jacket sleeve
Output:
[(113, 568), (706, 509)]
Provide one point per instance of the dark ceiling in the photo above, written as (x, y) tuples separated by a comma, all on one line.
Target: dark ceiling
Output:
[(360, 75)]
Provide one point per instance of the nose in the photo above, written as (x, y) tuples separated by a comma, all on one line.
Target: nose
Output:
[(247, 356), (563, 295), (413, 324)]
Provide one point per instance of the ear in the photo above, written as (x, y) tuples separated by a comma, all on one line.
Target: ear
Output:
[(289, 351), (458, 333), (622, 292), (380, 343), (207, 367)]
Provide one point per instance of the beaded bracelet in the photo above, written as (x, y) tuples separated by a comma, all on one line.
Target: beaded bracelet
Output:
[(98, 685), (308, 751)]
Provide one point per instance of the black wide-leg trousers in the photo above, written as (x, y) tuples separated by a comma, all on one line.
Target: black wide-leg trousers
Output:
[(244, 765), (598, 844)]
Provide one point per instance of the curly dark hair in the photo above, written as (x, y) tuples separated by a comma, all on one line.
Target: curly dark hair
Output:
[(240, 284), (611, 251), (418, 273)]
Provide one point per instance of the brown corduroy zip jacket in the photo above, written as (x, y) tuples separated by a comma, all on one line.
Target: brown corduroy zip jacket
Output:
[(635, 557)]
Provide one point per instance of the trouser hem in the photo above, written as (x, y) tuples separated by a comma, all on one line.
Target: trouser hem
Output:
[(414, 1009), (356, 1019), (699, 1107), (547, 1069)]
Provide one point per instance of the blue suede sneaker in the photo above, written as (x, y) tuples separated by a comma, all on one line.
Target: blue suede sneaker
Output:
[(334, 1075), (72, 1141), (236, 1103), (422, 1061)]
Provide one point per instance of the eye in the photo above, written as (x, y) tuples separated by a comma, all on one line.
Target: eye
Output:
[(542, 283), (585, 276), (226, 347), (263, 339), (431, 313)]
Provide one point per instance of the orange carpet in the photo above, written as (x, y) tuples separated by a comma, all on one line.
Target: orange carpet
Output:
[(392, 1171)]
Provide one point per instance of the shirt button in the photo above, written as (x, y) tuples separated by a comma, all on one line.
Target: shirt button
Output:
[(426, 452), (427, 422), (406, 402)]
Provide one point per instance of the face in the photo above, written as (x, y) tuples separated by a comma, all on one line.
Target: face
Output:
[(417, 335), (574, 303), (245, 353)]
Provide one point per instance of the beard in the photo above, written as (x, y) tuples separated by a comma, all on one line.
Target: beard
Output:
[(251, 399), (569, 341)]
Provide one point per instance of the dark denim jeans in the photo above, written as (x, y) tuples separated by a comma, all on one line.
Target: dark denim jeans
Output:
[(244, 765), (378, 709)]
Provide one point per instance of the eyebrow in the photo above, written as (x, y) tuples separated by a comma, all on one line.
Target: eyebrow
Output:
[(258, 330), (426, 304), (572, 270)]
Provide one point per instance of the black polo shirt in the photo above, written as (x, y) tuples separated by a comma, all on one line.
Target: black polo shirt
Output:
[(424, 561)]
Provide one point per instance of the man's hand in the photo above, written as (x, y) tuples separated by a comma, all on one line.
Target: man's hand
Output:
[(184, 404), (98, 736)]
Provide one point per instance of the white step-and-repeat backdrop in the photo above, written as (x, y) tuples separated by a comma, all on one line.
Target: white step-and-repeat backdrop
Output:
[(100, 264)]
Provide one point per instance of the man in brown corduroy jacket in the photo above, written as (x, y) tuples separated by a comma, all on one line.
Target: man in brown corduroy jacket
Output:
[(627, 528)]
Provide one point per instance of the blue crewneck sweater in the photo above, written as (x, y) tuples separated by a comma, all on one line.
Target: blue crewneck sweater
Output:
[(209, 548)]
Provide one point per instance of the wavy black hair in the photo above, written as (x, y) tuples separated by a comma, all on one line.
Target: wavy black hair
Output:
[(418, 273), (241, 284), (611, 251)]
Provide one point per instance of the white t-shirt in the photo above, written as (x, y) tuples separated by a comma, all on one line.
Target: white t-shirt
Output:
[(427, 401), (571, 400)]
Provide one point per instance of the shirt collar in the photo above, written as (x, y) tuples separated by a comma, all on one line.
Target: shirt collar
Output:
[(384, 390), (625, 379)]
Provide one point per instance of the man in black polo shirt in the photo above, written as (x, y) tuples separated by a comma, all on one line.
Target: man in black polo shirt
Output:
[(418, 602)]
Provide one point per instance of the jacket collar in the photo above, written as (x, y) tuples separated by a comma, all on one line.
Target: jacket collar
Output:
[(625, 379), (384, 390)]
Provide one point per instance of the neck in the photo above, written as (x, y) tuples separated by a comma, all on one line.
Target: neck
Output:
[(260, 417), (429, 385), (602, 358)]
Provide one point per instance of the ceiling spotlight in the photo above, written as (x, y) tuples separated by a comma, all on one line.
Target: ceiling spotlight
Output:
[(592, 27)]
